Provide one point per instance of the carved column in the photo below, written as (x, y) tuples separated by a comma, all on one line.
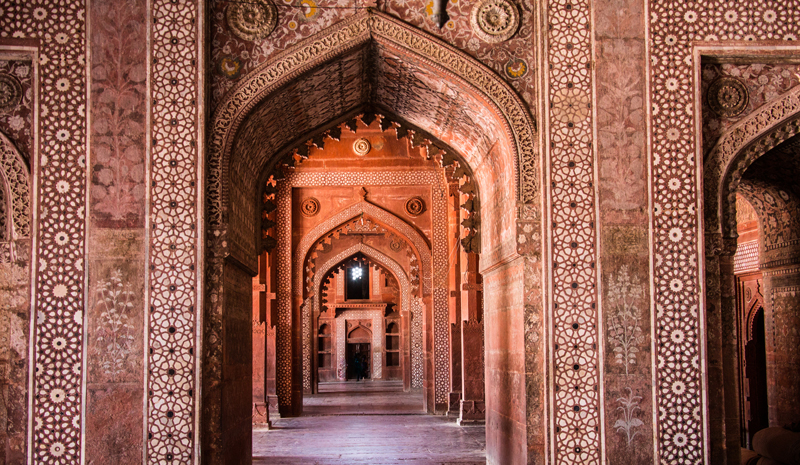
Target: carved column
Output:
[(260, 406), (473, 405), (454, 285)]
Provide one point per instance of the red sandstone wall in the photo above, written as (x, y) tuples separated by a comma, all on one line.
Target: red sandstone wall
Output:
[(506, 438)]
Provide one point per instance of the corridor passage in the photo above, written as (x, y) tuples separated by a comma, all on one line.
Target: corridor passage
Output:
[(369, 423)]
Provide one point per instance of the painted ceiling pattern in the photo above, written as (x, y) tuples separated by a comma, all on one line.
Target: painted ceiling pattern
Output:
[(233, 57), (673, 25)]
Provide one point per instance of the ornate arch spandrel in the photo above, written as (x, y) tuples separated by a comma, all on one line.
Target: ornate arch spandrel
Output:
[(15, 174), (353, 32), (737, 149)]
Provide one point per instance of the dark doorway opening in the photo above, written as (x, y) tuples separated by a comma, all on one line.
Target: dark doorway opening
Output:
[(358, 357), (755, 359)]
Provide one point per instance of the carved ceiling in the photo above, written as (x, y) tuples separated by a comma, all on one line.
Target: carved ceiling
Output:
[(370, 76)]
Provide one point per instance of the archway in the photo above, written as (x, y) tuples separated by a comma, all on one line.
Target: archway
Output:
[(476, 113), (732, 168), (409, 306)]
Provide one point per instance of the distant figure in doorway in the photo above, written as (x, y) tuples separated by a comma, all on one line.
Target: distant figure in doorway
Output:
[(357, 366)]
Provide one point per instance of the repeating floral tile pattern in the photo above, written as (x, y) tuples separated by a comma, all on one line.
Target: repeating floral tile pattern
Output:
[(674, 24), (172, 260), (59, 290), (575, 316)]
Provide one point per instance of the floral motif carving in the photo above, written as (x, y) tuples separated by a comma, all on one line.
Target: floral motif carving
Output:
[(727, 97), (309, 207), (415, 206), (628, 422), (252, 20), (624, 329), (10, 91), (114, 334), (494, 20), (361, 147)]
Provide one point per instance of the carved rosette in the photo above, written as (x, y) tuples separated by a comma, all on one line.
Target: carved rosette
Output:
[(252, 20), (361, 147), (10, 91), (494, 20), (415, 206), (727, 97), (309, 207)]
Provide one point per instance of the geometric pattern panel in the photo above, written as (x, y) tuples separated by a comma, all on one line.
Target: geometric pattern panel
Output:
[(674, 25), (577, 393), (58, 296), (172, 221)]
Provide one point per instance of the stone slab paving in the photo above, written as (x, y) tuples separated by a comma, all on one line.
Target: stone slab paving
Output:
[(371, 423)]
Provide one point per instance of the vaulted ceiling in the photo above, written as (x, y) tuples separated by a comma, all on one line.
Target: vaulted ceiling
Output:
[(374, 75)]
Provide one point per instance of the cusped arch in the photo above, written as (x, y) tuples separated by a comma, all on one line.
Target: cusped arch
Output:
[(15, 177), (352, 212), (737, 149), (509, 112), (407, 302)]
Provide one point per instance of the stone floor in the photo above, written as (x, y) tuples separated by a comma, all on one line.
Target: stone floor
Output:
[(369, 423)]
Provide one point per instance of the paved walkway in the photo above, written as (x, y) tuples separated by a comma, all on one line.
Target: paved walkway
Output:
[(369, 423)]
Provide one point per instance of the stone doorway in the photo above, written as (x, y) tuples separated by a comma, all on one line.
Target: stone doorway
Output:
[(360, 350)]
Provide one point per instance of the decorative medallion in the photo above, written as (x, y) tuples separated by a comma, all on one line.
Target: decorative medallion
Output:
[(361, 147), (253, 20), (10, 91), (230, 67), (727, 97), (415, 206), (309, 207), (516, 68), (494, 20)]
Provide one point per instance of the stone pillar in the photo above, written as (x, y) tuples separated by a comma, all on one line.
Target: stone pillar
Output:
[(260, 406), (473, 404), (454, 285)]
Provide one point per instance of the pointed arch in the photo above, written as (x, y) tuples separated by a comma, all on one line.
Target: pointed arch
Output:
[(737, 149), (422, 249), (508, 112), (407, 302)]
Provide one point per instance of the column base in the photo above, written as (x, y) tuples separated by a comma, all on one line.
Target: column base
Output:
[(261, 414), (473, 412), (454, 409)]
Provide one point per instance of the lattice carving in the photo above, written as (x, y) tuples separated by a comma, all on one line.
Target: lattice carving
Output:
[(172, 261), (15, 176), (575, 317), (673, 26), (58, 295)]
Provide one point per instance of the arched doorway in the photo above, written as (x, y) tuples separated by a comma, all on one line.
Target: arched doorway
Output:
[(466, 115), (752, 167)]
